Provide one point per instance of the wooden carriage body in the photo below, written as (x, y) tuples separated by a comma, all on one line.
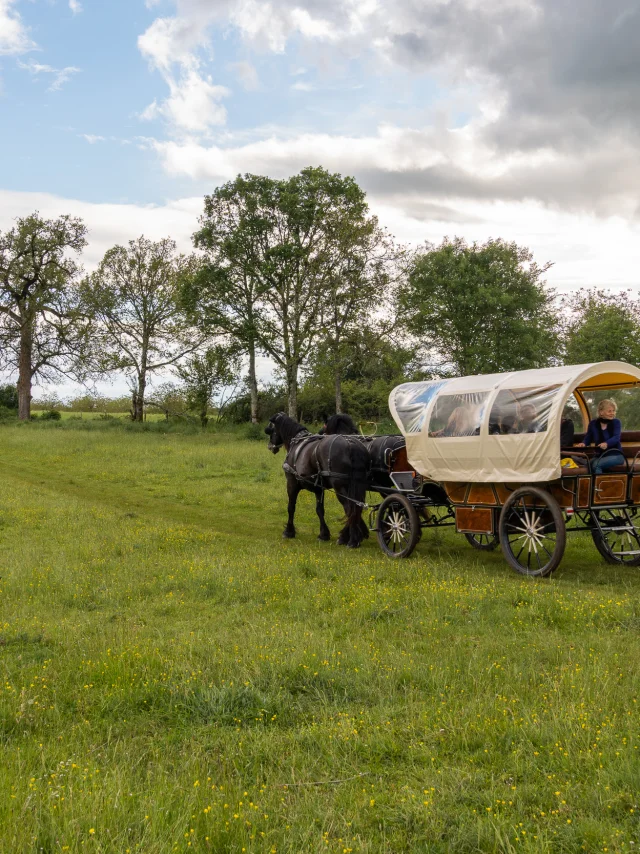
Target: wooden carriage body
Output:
[(479, 471)]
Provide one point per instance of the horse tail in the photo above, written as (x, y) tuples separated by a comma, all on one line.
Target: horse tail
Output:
[(357, 491)]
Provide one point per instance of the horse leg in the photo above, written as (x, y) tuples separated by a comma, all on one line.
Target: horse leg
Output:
[(355, 526), (325, 533), (293, 489), (351, 535), (343, 536)]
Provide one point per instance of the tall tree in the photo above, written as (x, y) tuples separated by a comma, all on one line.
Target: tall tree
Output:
[(480, 309), (135, 297), (225, 295), (366, 260), (282, 246), (42, 332), (602, 326)]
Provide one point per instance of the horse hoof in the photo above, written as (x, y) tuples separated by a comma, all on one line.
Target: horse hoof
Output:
[(324, 538), (287, 535), (353, 545)]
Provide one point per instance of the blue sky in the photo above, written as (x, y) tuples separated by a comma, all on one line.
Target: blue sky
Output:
[(83, 137), (510, 118)]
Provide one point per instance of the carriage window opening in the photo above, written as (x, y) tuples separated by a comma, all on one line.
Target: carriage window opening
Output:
[(628, 400), (456, 415), (524, 410), (412, 400)]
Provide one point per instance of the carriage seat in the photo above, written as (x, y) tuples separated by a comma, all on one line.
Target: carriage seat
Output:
[(582, 470)]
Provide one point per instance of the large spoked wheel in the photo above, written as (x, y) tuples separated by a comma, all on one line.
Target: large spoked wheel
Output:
[(398, 526), (617, 539), (483, 542), (532, 531)]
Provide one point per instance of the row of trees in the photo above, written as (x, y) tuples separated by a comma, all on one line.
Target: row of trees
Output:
[(297, 270)]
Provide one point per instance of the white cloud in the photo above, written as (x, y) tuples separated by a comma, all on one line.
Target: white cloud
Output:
[(60, 75), (193, 104), (91, 138), (75, 6), (14, 37), (247, 75), (109, 223)]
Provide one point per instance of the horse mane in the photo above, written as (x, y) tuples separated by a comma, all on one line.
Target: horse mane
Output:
[(341, 423), (287, 427)]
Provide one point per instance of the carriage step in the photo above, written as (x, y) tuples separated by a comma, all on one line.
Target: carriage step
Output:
[(620, 528)]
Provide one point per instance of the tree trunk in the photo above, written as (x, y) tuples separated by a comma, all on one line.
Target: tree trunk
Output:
[(292, 391), (24, 371), (338, 384), (253, 383), (138, 398)]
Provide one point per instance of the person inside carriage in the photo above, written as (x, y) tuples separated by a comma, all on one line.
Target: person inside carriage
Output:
[(605, 432)]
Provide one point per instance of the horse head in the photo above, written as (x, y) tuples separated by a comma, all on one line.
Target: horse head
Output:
[(340, 423), (276, 440)]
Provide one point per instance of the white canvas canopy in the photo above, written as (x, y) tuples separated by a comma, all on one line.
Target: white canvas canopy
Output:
[(458, 429)]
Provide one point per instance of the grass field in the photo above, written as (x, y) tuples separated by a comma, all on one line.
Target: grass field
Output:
[(175, 677)]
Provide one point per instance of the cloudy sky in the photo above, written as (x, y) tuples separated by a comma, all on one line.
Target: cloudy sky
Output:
[(481, 118)]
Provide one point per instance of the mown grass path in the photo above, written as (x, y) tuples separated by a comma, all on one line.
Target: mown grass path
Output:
[(175, 677)]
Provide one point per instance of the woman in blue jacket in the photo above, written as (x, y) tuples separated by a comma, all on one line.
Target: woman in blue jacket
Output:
[(605, 431)]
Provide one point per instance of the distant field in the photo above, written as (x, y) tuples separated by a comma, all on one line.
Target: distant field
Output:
[(151, 416), (176, 677)]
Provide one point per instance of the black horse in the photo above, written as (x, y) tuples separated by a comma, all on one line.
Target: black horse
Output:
[(341, 424), (317, 463), (379, 448)]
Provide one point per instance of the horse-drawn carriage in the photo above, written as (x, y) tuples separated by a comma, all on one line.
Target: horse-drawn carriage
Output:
[(484, 453)]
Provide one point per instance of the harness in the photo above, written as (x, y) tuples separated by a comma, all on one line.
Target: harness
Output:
[(302, 440)]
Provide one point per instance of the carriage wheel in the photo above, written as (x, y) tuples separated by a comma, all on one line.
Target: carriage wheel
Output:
[(398, 526), (532, 531), (483, 542), (619, 541)]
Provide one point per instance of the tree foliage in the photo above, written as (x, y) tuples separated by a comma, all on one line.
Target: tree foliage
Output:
[(602, 327), (42, 331), (206, 376), (479, 309), (288, 259), (135, 295), (9, 397)]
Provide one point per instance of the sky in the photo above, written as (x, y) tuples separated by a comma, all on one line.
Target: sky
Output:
[(480, 118)]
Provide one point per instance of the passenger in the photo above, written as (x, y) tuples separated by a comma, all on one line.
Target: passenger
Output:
[(567, 432), (509, 424), (460, 423), (605, 431), (527, 422)]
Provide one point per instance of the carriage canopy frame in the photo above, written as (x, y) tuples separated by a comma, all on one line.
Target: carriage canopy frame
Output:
[(454, 429)]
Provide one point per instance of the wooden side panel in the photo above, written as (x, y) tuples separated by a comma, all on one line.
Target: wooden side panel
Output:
[(456, 492), (635, 489), (610, 489), (477, 520), (399, 461), (502, 492), (481, 493), (563, 492), (584, 490)]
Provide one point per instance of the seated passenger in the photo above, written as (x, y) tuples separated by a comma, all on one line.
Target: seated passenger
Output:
[(567, 432), (509, 424), (605, 431), (459, 423), (527, 422)]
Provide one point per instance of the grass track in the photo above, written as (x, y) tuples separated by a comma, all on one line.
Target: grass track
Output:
[(175, 677)]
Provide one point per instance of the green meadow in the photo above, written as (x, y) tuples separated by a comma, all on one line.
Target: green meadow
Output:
[(174, 677)]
